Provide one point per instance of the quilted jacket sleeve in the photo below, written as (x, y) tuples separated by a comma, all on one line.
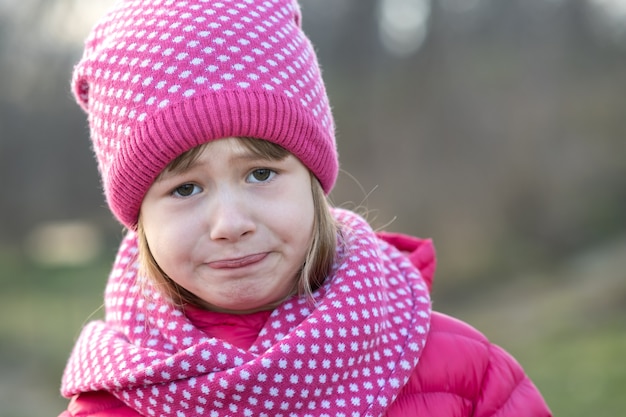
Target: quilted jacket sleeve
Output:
[(462, 374), (507, 391)]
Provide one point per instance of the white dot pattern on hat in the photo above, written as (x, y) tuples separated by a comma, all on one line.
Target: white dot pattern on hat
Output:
[(348, 355), (159, 77)]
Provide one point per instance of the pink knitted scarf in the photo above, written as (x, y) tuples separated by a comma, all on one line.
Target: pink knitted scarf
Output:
[(349, 355)]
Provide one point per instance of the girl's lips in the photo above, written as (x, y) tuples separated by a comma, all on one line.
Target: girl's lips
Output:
[(238, 262)]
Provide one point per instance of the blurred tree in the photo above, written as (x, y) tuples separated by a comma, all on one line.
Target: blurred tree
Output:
[(502, 130)]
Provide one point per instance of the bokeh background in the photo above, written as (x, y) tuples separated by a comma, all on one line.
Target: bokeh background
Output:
[(496, 127)]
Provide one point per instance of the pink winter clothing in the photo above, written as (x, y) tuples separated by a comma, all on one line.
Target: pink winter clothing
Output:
[(158, 78), (371, 347)]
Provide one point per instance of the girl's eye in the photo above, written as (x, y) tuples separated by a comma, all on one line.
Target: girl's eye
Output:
[(186, 190), (261, 175)]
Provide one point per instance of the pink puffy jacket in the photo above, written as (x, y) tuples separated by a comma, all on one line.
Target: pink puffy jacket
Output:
[(460, 373)]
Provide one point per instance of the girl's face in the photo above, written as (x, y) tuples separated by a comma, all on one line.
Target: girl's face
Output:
[(233, 228)]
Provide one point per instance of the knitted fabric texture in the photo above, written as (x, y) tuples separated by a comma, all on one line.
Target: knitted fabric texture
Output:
[(347, 356), (159, 77)]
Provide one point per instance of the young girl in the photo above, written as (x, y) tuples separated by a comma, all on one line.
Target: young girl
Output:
[(238, 291)]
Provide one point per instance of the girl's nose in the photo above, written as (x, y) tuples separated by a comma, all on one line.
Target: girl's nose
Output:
[(231, 218)]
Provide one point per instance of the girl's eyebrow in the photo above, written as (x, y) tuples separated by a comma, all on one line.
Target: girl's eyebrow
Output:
[(243, 155), (168, 172)]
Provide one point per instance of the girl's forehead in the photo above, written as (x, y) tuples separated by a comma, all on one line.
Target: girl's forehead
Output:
[(233, 147)]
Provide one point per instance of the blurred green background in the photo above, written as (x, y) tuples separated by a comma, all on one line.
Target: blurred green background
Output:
[(496, 127)]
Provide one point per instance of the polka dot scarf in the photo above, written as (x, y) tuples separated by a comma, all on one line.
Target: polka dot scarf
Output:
[(346, 355)]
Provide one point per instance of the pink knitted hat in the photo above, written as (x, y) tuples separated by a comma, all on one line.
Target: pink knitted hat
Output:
[(159, 77)]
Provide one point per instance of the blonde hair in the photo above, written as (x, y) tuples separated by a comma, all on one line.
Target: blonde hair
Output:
[(318, 260)]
